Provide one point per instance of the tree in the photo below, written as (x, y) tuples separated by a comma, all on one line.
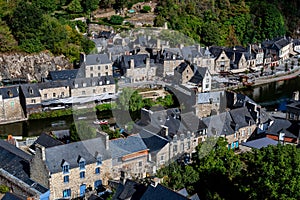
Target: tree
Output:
[(82, 131), (130, 100), (90, 5), (146, 9), (48, 6), (75, 7), (116, 20), (7, 41)]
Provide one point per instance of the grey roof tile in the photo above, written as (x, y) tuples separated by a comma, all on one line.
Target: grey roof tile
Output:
[(162, 193), (260, 143), (96, 59)]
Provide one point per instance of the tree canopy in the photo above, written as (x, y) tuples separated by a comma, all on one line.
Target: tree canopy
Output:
[(219, 173)]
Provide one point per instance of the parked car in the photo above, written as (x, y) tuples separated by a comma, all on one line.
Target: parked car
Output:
[(101, 122)]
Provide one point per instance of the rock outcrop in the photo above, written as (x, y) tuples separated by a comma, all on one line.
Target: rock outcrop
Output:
[(30, 66)]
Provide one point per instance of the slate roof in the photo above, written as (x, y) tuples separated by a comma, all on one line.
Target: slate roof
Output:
[(192, 122), (278, 125), (139, 60), (162, 193), (204, 98), (130, 190), (183, 192), (93, 81), (65, 74), (47, 141), (16, 162), (199, 75), (153, 141), (87, 149), (190, 52), (30, 90), (172, 54), (125, 146), (52, 84), (182, 66), (13, 196), (241, 117), (219, 124), (260, 143), (9, 92), (194, 197), (96, 59)]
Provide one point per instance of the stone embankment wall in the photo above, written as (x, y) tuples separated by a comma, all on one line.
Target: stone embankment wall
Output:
[(30, 66)]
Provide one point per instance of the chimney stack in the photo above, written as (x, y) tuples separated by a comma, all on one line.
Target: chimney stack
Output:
[(296, 96), (158, 45), (165, 130), (132, 63)]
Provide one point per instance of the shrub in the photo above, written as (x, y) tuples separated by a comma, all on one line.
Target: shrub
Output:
[(4, 189)]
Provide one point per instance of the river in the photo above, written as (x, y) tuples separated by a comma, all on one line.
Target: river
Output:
[(274, 95)]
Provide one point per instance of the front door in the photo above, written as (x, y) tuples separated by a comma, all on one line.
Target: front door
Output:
[(82, 189)]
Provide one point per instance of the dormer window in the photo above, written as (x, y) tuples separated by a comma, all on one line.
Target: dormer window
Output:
[(9, 93), (100, 83), (81, 163), (99, 160), (84, 84), (30, 91), (76, 85), (65, 168)]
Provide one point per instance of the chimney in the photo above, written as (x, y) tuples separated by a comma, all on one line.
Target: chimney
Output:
[(155, 181), (158, 45), (198, 47), (131, 63), (82, 57), (106, 142), (296, 96), (249, 48), (147, 62), (109, 56), (40, 151), (165, 130)]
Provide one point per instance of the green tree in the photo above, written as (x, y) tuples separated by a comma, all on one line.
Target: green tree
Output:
[(4, 189), (82, 131), (116, 20), (7, 41), (146, 9), (130, 100), (75, 7), (90, 5), (47, 6)]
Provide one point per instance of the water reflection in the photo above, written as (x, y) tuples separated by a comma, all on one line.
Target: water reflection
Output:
[(274, 95)]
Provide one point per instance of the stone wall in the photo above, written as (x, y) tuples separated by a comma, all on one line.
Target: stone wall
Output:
[(30, 66), (57, 185), (98, 70), (60, 92), (95, 90), (11, 109)]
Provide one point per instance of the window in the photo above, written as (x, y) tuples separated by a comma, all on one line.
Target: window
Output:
[(81, 165), (99, 74), (106, 67), (62, 94), (94, 91), (104, 89), (106, 73), (91, 68), (65, 169), (188, 145), (97, 184), (207, 86), (82, 174), (54, 94), (249, 131), (12, 104), (175, 148), (32, 100), (45, 96), (99, 160), (66, 179), (83, 92), (97, 170), (162, 158), (181, 147), (67, 193), (92, 74), (30, 91), (98, 67)]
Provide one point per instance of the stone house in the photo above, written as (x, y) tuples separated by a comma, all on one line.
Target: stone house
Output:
[(296, 45), (30, 98), (170, 58), (208, 60), (211, 103), (193, 76), (138, 67), (92, 86), (14, 172), (96, 65), (70, 170), (192, 54), (169, 135), (11, 108), (129, 155), (222, 61), (54, 90), (258, 54)]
